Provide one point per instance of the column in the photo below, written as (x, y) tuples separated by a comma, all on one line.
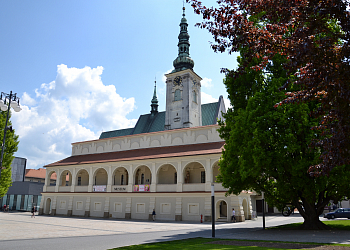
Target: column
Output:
[(106, 210), (128, 208), (74, 178), (154, 178), (58, 173), (109, 179), (236, 203), (91, 180), (178, 209), (53, 206), (131, 177), (70, 206), (208, 175), (179, 178), (152, 205), (87, 207)]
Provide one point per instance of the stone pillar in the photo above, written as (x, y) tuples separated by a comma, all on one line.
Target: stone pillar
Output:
[(208, 175), (128, 208), (131, 179), (53, 206), (236, 203), (72, 188), (70, 206), (106, 210), (180, 177), (91, 180), (153, 186), (178, 209), (109, 179), (87, 207), (207, 209), (152, 205), (58, 178), (41, 207)]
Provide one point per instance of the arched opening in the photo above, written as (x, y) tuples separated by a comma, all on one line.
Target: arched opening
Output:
[(221, 210), (100, 177), (82, 178), (245, 208), (66, 178), (52, 179), (167, 174), (143, 175), (48, 206), (120, 176), (215, 171), (194, 172)]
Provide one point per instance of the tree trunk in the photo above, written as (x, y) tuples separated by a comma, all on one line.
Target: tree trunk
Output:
[(313, 223)]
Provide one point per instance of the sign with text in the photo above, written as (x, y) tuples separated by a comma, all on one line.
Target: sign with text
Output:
[(120, 189), (99, 188), (141, 188)]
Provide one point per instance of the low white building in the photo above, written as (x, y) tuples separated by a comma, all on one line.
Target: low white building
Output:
[(167, 162)]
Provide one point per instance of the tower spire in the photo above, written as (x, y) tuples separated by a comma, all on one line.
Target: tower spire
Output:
[(183, 60), (154, 102)]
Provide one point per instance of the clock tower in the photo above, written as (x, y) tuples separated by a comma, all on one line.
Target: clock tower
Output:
[(183, 88)]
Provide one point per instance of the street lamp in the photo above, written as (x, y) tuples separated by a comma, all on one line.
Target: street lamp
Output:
[(7, 101)]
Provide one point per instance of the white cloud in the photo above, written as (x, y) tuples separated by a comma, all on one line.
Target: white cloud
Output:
[(206, 98), (76, 106), (207, 83)]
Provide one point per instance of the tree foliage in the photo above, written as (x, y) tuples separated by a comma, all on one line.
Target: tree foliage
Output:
[(314, 36), (11, 143), (267, 148)]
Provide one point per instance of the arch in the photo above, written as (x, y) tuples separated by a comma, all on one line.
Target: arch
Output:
[(194, 172), (215, 171), (221, 209), (82, 178), (167, 174), (99, 149), (177, 141), (52, 178), (116, 147), (120, 176), (245, 208), (134, 145), (48, 206), (155, 143), (100, 177), (85, 151), (142, 175), (201, 139), (66, 178)]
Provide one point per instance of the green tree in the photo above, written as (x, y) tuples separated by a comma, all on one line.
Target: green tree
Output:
[(267, 148), (11, 144)]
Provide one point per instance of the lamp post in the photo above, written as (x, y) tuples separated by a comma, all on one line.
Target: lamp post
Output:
[(212, 211), (7, 101), (263, 209)]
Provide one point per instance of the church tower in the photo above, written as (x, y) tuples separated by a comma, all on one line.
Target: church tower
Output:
[(183, 88)]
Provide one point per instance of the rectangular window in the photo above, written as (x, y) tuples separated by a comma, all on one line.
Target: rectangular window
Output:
[(140, 208), (118, 207), (97, 206), (193, 208), (79, 205), (79, 180), (165, 208), (202, 176), (62, 204), (175, 177)]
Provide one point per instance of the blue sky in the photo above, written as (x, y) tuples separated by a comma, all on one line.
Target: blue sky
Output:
[(83, 67)]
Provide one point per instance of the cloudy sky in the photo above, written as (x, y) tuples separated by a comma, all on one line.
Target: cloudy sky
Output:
[(83, 67)]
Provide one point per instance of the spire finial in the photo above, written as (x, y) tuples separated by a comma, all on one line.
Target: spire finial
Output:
[(183, 60), (183, 8), (154, 102)]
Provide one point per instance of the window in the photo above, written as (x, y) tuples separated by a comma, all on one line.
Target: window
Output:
[(195, 96), (79, 180), (177, 95), (122, 180), (202, 176), (142, 178), (118, 207), (79, 205), (175, 178)]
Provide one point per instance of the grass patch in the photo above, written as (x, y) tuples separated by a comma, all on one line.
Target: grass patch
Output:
[(333, 224), (201, 243)]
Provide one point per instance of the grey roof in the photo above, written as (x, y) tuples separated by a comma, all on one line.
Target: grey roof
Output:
[(153, 123)]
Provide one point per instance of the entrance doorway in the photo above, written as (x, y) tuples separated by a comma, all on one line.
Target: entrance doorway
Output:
[(48, 206)]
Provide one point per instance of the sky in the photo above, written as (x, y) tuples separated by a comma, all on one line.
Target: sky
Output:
[(84, 67)]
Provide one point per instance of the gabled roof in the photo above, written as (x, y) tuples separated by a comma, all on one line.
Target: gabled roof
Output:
[(144, 153), (153, 123), (38, 173)]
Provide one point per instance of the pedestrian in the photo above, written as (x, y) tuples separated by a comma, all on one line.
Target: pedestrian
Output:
[(33, 212), (154, 215), (233, 218), (5, 208), (8, 208)]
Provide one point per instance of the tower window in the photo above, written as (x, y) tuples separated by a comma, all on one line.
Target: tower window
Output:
[(195, 96), (177, 96)]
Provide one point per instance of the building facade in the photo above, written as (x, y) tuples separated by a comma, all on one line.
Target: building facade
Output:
[(167, 162)]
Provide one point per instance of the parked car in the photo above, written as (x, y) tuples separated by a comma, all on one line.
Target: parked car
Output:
[(339, 213)]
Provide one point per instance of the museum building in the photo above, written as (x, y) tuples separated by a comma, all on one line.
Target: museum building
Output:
[(167, 162)]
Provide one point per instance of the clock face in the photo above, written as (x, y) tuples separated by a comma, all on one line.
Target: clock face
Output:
[(177, 80)]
